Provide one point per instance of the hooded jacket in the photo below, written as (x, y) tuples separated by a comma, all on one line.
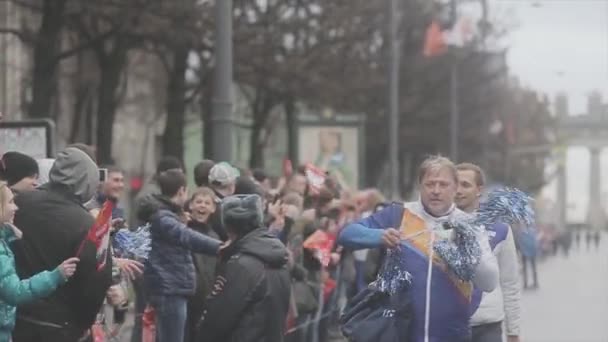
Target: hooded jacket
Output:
[(250, 298), (54, 224)]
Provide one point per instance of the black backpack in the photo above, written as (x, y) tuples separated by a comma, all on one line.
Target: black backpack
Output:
[(375, 315)]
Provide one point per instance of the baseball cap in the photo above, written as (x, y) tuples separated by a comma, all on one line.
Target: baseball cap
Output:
[(223, 174)]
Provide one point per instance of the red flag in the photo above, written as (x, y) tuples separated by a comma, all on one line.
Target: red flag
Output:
[(328, 288), (434, 44), (315, 176), (287, 168), (99, 234), (323, 243)]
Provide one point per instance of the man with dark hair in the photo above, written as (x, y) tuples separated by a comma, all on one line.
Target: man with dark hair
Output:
[(112, 189), (152, 188), (201, 172), (55, 223), (169, 163), (20, 171), (145, 200), (251, 295), (169, 274)]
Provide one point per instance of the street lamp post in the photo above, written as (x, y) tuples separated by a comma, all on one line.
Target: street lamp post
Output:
[(454, 110), (454, 96), (222, 88), (393, 98)]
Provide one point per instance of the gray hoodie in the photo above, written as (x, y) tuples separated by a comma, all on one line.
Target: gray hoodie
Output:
[(75, 170)]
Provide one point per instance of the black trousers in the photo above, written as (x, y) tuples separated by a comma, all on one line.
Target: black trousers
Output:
[(532, 261), (491, 332), (26, 331)]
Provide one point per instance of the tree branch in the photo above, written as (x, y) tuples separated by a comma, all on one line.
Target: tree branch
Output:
[(23, 36), (85, 46)]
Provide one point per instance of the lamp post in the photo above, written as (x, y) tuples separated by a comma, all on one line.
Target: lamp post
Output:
[(393, 98), (222, 88)]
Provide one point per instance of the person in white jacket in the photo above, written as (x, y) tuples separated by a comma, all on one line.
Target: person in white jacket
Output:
[(504, 303)]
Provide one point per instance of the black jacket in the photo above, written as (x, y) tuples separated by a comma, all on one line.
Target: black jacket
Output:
[(169, 269), (54, 224), (204, 266), (250, 298)]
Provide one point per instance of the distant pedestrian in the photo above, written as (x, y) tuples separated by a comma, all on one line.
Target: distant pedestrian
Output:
[(596, 238), (528, 247)]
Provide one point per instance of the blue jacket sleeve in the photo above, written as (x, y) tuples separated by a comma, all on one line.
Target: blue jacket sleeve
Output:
[(14, 291), (172, 230), (367, 232)]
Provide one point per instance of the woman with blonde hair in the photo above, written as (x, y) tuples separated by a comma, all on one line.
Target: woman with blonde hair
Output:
[(14, 291)]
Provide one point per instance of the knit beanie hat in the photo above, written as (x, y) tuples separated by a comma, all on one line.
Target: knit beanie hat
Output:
[(246, 186), (15, 166), (242, 213)]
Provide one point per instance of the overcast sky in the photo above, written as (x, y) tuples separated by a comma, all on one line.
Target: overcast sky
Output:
[(561, 45)]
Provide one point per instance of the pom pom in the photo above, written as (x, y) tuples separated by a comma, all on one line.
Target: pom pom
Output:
[(392, 277), (508, 205), (463, 254), (133, 244)]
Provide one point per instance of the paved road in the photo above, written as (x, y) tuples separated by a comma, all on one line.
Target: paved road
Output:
[(571, 304)]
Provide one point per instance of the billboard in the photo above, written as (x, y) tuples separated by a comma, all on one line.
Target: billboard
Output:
[(34, 138), (332, 148)]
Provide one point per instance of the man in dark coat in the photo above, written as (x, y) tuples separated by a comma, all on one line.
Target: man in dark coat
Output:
[(250, 298), (54, 224)]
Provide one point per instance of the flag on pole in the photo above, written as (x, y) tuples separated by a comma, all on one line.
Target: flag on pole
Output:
[(322, 243), (315, 177), (99, 235), (437, 40), (434, 45), (287, 168)]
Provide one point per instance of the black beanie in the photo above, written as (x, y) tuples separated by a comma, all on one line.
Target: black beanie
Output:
[(246, 186), (15, 166), (242, 213)]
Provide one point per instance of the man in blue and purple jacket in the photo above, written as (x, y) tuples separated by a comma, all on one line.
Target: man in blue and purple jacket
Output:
[(441, 301)]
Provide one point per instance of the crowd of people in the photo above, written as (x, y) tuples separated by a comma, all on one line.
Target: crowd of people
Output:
[(241, 256)]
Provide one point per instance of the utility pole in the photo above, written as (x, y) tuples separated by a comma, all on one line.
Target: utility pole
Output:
[(454, 96), (222, 88), (393, 98)]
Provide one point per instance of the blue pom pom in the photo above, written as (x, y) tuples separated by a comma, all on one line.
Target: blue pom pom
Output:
[(463, 254), (393, 277), (133, 244), (508, 205)]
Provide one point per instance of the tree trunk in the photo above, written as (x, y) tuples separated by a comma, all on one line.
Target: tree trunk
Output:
[(261, 108), (173, 137), (46, 49), (206, 113), (111, 69), (292, 129), (256, 157)]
